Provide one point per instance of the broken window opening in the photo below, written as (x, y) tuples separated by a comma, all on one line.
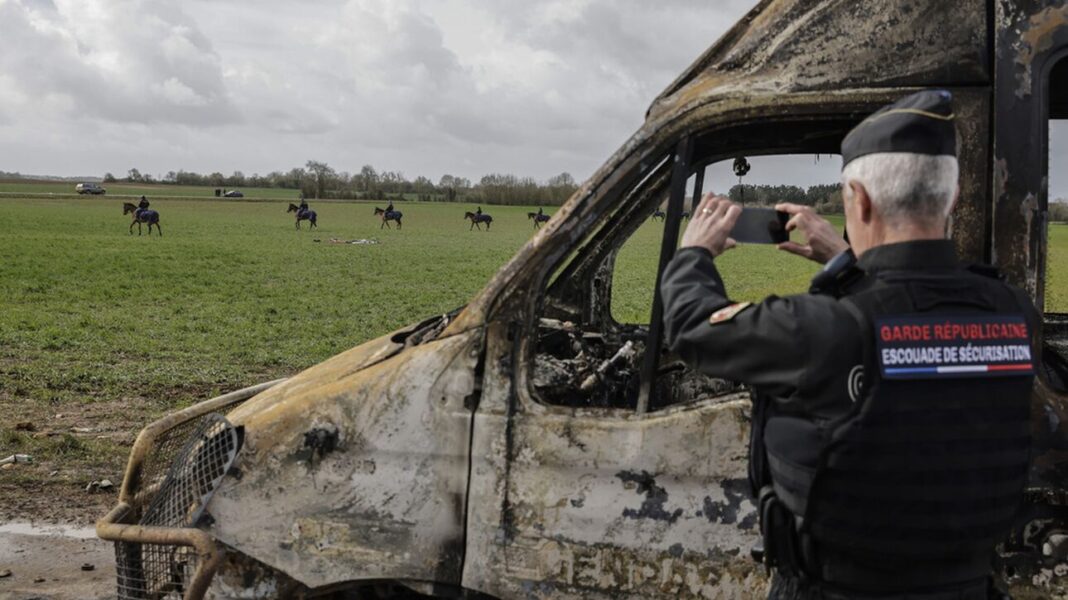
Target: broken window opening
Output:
[(586, 355), (1055, 289), (756, 271)]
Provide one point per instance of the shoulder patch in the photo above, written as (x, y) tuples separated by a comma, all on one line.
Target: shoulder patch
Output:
[(728, 312)]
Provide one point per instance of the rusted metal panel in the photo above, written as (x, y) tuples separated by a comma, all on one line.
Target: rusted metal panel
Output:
[(802, 45), (603, 507), (972, 214), (1031, 35), (353, 475)]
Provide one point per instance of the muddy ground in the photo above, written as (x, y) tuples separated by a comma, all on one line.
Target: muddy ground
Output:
[(54, 563), (47, 516)]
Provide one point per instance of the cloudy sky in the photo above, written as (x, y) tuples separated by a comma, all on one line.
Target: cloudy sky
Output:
[(421, 86), (425, 87)]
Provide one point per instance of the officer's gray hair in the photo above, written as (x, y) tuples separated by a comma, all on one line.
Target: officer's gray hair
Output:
[(905, 186)]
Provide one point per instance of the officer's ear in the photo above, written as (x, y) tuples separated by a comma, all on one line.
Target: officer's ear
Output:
[(862, 201)]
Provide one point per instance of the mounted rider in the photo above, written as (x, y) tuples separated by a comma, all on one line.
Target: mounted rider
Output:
[(389, 209), (142, 205), (303, 208)]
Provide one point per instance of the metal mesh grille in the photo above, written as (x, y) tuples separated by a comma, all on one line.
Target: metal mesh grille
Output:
[(200, 460), (154, 571)]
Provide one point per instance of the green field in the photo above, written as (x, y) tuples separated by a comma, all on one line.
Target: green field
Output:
[(101, 331)]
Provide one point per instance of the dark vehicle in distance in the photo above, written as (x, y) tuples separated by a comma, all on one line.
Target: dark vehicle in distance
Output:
[(90, 188), (233, 194)]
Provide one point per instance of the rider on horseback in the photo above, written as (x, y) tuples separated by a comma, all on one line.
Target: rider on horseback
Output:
[(389, 209), (478, 211), (303, 205), (143, 204)]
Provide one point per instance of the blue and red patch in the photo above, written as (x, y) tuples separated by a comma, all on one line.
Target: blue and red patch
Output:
[(936, 347)]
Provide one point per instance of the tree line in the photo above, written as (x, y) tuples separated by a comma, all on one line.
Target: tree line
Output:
[(825, 198), (317, 179)]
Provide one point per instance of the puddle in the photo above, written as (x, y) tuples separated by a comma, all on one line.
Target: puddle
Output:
[(49, 529)]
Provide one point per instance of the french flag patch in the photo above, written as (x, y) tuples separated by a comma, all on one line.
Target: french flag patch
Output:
[(937, 347)]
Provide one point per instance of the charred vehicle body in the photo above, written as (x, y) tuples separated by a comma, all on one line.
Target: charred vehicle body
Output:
[(529, 445)]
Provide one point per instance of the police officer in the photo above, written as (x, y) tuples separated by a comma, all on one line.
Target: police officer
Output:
[(890, 436)]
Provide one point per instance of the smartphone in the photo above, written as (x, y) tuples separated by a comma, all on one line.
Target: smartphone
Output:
[(761, 226)]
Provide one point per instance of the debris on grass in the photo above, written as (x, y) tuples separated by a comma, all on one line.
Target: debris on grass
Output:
[(102, 486), (16, 458), (88, 566), (5, 573), (25, 426), (359, 242)]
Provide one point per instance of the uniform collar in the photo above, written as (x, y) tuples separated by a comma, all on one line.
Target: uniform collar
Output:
[(919, 254)]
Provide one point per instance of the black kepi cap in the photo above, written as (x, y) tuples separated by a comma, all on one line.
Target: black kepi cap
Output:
[(922, 123)]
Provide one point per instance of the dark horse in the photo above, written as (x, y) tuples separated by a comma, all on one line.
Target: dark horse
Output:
[(389, 215), (659, 214), (302, 215), (539, 218), (148, 216), (478, 218)]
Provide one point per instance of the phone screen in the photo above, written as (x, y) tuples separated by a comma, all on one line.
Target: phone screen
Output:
[(761, 226)]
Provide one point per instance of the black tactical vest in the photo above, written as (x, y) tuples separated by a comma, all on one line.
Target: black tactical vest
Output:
[(913, 488)]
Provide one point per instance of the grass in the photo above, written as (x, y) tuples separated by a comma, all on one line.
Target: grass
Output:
[(104, 331), (1057, 268), (750, 273)]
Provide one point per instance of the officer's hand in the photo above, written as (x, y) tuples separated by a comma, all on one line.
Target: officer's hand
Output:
[(710, 227), (822, 241)]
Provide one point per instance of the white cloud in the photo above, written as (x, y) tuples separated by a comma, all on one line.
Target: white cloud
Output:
[(421, 86)]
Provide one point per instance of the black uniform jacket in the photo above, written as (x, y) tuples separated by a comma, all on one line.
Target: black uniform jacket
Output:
[(797, 350)]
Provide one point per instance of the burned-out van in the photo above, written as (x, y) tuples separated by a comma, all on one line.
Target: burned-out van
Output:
[(486, 453)]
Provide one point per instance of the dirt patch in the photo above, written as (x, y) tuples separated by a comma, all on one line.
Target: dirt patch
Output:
[(56, 502), (55, 563)]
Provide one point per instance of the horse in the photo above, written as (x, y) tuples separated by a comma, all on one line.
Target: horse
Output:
[(389, 215), (302, 215), (478, 218), (147, 215), (659, 214), (539, 218)]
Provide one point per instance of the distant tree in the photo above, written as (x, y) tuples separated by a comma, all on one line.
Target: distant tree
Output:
[(170, 177), (134, 176), (368, 178), (560, 188), (294, 179), (109, 178), (322, 173), (562, 180), (423, 186), (1058, 210)]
